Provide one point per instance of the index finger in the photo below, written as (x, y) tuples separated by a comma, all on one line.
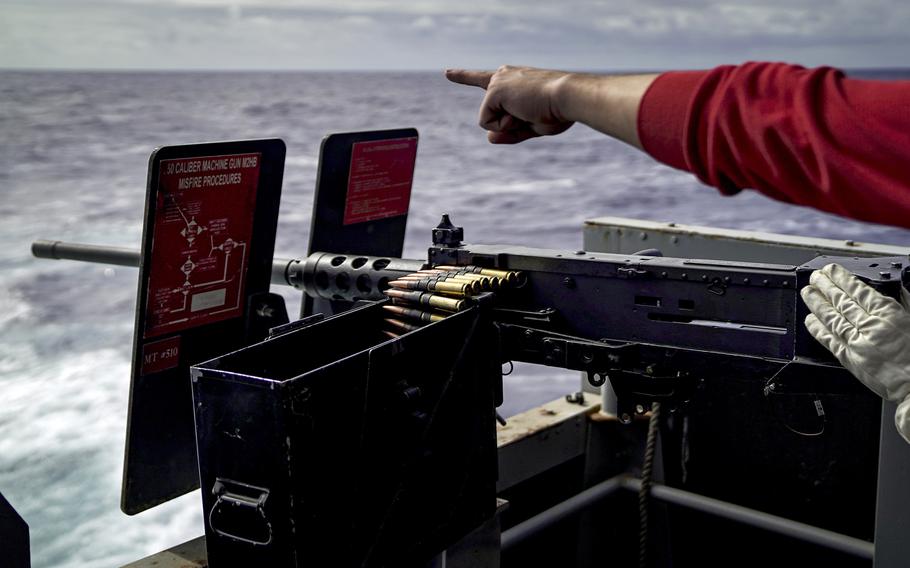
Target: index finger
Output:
[(465, 77)]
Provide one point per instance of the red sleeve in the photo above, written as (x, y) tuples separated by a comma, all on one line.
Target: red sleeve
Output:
[(807, 136)]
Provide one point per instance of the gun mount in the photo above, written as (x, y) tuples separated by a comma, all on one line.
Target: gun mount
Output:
[(753, 411), (695, 335)]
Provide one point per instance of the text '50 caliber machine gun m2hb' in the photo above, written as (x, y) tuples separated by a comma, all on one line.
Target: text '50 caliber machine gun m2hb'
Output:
[(230, 396)]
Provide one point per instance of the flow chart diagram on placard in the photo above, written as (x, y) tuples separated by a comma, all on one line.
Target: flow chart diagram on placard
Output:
[(201, 242)]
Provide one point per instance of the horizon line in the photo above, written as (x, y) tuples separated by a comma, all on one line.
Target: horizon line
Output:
[(623, 70)]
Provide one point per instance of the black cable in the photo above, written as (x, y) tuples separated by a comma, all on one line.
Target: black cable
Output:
[(644, 493), (771, 389)]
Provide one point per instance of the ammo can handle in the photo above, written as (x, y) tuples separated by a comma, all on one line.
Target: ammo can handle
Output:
[(249, 497)]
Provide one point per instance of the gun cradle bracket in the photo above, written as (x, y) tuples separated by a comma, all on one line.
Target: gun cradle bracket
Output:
[(639, 375)]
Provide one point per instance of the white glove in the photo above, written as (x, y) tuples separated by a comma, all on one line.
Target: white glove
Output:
[(868, 332)]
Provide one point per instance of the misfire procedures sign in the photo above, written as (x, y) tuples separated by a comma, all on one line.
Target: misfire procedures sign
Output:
[(201, 247), (211, 212)]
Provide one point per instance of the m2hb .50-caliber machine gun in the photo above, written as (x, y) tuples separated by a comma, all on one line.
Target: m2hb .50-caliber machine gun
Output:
[(363, 433)]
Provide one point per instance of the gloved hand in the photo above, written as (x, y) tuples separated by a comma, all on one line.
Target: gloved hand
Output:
[(868, 332)]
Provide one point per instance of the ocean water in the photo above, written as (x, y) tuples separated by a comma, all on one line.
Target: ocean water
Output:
[(73, 155)]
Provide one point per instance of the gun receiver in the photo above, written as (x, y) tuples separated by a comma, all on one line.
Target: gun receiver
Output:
[(653, 325)]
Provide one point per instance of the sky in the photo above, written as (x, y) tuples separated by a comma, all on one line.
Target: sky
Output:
[(428, 34)]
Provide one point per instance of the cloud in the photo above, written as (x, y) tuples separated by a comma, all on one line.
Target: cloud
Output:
[(424, 23), (358, 20), (384, 34)]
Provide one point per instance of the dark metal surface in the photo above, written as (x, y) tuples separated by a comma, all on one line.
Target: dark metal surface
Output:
[(14, 539), (480, 548), (350, 278), (758, 519), (574, 505), (747, 309), (333, 441), (758, 416), (892, 517), (59, 250), (328, 232)]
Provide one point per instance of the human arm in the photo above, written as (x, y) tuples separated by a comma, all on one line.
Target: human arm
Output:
[(807, 136)]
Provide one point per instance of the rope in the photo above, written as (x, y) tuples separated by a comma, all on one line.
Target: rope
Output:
[(644, 493)]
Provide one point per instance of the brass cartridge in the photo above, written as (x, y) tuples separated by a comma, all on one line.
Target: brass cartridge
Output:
[(443, 303), (474, 285), (427, 299), (508, 276), (486, 282), (411, 313), (406, 327), (403, 295), (456, 288), (428, 285)]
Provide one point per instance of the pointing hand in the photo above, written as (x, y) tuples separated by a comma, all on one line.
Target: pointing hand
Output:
[(520, 102)]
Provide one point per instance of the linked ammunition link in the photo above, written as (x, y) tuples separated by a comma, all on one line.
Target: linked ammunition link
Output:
[(430, 294), (511, 277)]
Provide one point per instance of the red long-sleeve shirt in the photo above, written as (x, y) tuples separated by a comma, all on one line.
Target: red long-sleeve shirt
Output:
[(807, 136)]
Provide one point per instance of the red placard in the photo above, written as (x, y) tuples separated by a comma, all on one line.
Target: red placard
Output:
[(379, 182), (160, 355), (201, 241)]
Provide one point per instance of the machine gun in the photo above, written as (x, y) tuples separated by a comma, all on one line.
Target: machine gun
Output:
[(720, 344), (363, 433), (653, 325)]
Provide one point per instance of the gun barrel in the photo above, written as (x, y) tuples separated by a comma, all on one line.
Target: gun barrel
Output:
[(349, 276), (60, 250), (122, 256)]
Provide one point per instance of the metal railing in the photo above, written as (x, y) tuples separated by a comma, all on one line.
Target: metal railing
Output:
[(744, 515)]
